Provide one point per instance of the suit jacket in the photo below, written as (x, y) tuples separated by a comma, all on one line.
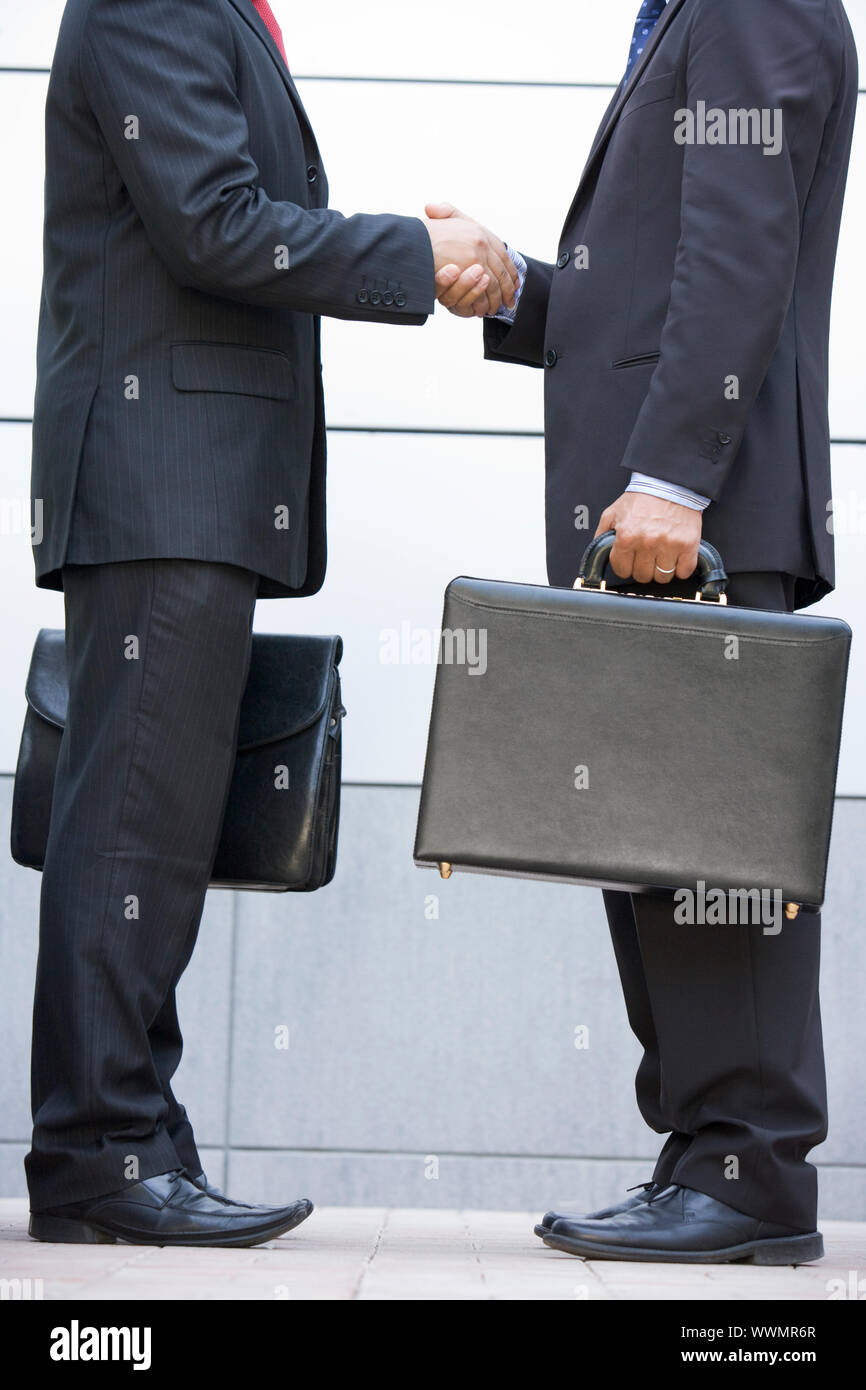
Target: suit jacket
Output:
[(188, 252), (707, 262)]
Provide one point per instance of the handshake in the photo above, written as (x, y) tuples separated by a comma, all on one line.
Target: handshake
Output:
[(474, 272)]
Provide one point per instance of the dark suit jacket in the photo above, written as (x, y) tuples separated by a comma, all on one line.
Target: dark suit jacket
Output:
[(188, 252), (705, 262)]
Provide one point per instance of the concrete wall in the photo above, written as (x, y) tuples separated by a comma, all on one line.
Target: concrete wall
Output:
[(415, 1038)]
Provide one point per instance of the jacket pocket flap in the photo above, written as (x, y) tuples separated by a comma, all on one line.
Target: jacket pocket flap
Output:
[(232, 367)]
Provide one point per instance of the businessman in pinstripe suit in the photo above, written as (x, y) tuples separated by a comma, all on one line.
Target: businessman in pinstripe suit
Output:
[(178, 421)]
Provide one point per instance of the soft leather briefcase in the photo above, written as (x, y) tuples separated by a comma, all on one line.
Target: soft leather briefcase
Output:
[(634, 742), (281, 821)]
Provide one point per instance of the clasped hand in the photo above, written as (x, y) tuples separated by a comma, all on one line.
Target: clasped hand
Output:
[(474, 272), (655, 539)]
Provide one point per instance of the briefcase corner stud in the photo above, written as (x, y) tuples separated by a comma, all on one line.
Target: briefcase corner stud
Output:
[(445, 870)]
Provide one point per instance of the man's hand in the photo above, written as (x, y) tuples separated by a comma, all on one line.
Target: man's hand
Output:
[(474, 273), (655, 539)]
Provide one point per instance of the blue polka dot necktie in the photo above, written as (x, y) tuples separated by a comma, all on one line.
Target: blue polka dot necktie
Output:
[(650, 13)]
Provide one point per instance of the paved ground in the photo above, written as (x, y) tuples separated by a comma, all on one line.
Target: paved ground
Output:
[(365, 1253)]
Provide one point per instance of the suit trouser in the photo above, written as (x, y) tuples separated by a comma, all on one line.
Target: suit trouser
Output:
[(158, 655), (729, 1020)]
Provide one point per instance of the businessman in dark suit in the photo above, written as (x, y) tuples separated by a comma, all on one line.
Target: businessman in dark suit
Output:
[(683, 332), (179, 455)]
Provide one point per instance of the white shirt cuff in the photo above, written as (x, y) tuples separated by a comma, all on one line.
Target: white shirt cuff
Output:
[(671, 492), (507, 315)]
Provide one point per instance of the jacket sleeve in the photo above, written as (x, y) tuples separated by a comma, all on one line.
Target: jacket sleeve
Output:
[(740, 232), (523, 341), (197, 189)]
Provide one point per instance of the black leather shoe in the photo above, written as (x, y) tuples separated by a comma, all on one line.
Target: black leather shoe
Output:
[(551, 1217), (201, 1182), (165, 1210), (204, 1185), (681, 1226)]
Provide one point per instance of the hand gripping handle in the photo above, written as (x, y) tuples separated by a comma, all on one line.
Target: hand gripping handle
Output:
[(710, 570)]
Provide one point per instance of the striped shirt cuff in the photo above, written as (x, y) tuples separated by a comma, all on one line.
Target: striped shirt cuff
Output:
[(670, 492), (507, 315)]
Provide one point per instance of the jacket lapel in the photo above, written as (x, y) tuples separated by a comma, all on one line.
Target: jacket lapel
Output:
[(252, 17), (621, 96)]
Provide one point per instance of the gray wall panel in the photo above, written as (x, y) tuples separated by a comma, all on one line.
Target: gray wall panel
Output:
[(414, 1039), (480, 1003)]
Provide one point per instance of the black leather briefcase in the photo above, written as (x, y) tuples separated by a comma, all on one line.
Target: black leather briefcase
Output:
[(280, 828), (634, 742)]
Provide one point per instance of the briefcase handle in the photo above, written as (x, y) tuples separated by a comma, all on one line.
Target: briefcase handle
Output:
[(710, 570)]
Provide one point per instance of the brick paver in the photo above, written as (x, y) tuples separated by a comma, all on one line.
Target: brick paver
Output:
[(377, 1254)]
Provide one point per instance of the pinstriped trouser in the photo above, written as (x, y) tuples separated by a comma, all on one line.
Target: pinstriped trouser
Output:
[(158, 654), (730, 1024)]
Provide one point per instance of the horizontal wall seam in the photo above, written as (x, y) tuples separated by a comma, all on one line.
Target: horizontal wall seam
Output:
[(406, 81), (432, 431), (416, 81), (455, 1153), (416, 787)]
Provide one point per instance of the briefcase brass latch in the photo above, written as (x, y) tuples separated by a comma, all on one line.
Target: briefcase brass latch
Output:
[(601, 588), (445, 870), (792, 911)]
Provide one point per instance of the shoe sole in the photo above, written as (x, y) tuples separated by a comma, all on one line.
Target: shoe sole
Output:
[(792, 1250), (61, 1231)]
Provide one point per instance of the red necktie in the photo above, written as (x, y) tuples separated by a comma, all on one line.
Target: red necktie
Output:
[(271, 25)]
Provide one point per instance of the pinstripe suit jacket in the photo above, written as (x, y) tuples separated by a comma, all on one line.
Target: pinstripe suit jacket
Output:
[(188, 252)]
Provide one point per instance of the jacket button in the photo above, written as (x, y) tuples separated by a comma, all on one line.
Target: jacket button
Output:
[(724, 439), (563, 260), (550, 357), (312, 173), (388, 298), (400, 300), (362, 296), (375, 297)]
